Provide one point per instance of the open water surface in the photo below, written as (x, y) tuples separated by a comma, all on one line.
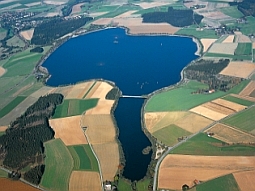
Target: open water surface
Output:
[(138, 65)]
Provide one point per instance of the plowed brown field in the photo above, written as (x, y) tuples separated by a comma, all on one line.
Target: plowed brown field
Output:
[(230, 134), (68, 129), (176, 170), (9, 185), (245, 180), (84, 181)]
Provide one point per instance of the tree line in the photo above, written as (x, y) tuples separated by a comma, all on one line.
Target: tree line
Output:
[(48, 31), (175, 17)]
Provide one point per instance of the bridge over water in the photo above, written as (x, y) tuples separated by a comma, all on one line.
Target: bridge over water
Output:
[(135, 96)]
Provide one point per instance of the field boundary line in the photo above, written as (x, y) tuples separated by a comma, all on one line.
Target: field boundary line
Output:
[(99, 165)]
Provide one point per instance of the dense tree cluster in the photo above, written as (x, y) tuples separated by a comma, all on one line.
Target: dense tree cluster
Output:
[(67, 9), (113, 94), (23, 140), (49, 31), (207, 72), (34, 175), (37, 49), (175, 17), (247, 7)]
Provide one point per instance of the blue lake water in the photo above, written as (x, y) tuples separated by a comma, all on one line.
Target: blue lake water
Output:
[(138, 65)]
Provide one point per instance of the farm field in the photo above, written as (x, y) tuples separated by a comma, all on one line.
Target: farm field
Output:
[(68, 130), (11, 105), (247, 91), (58, 166), (169, 135), (250, 28), (231, 11), (238, 100), (245, 180), (207, 43), (230, 135), (180, 99), (201, 144), (235, 106), (223, 183), (7, 184), (83, 158), (15, 41), (239, 69), (74, 107), (184, 169), (229, 39), (223, 48), (85, 181), (243, 49), (78, 91), (244, 120)]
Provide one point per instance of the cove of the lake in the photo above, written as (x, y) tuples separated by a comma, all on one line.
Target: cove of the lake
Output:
[(138, 65)]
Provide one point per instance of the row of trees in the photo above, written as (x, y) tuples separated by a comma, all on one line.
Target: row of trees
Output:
[(23, 141), (49, 31), (207, 72), (175, 17)]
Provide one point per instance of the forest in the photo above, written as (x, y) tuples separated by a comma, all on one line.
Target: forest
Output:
[(207, 72), (247, 7), (175, 17), (67, 9), (48, 31), (23, 142)]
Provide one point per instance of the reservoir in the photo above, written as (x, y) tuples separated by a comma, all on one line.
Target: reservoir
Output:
[(138, 65)]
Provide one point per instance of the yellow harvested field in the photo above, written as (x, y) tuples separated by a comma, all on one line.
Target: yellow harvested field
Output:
[(79, 90), (218, 108), (68, 129), (103, 107), (176, 170), (147, 5), (85, 181), (242, 38), (43, 91), (152, 118), (193, 122), (108, 155), (93, 90), (2, 71), (252, 99), (253, 45), (207, 43), (228, 104), (126, 14), (223, 48), (101, 91), (22, 89), (100, 128), (239, 69), (229, 39), (55, 2), (76, 8), (64, 90), (27, 34), (245, 180), (208, 113), (3, 128), (136, 26), (248, 89), (230, 135)]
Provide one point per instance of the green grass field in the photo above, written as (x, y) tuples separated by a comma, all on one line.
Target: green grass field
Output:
[(243, 49), (92, 158), (15, 41), (248, 28), (3, 33), (201, 144), (3, 174), (58, 166), (169, 135), (11, 105), (80, 157), (192, 31), (74, 107), (238, 100), (223, 183), (179, 99), (124, 185), (232, 11), (143, 184), (235, 57), (244, 120)]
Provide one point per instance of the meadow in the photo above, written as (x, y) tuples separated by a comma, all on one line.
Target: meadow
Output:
[(11, 105), (243, 49), (223, 183), (244, 120), (74, 107), (178, 99), (59, 165), (232, 11), (238, 100), (201, 144)]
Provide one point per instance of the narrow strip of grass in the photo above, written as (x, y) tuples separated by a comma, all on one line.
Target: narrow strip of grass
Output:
[(9, 107), (92, 158), (89, 89), (85, 163), (238, 100), (76, 159)]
